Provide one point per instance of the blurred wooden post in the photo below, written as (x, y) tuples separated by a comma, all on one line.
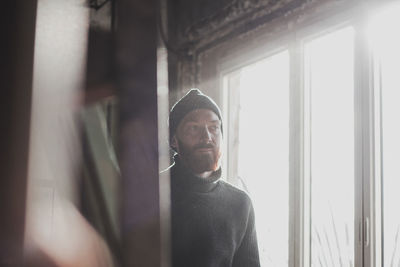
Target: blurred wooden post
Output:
[(136, 43), (17, 47)]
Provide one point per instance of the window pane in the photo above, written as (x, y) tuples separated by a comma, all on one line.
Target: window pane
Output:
[(263, 161), (386, 47), (329, 86)]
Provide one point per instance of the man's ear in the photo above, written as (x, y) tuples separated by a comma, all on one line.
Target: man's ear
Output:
[(174, 143)]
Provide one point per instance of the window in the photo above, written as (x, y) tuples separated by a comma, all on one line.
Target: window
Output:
[(262, 151), (313, 138), (329, 86)]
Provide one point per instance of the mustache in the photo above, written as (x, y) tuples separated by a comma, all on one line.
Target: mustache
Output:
[(199, 146)]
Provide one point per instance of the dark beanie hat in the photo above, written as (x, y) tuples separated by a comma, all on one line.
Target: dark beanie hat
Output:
[(194, 99)]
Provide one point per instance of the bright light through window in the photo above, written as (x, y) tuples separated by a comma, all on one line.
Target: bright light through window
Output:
[(383, 32), (256, 106), (263, 151), (329, 78)]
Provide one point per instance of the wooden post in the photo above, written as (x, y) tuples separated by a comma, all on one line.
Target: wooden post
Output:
[(136, 43), (17, 48)]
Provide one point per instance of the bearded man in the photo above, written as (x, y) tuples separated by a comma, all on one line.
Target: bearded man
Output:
[(212, 221)]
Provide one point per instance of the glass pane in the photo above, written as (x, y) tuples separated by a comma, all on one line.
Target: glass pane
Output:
[(329, 86), (386, 46), (263, 152)]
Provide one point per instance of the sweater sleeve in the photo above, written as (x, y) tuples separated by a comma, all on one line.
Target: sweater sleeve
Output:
[(247, 253)]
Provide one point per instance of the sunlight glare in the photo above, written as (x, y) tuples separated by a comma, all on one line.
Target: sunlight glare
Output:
[(264, 152), (329, 73)]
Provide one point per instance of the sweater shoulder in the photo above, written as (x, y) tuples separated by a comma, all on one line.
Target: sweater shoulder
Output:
[(230, 187), (235, 192)]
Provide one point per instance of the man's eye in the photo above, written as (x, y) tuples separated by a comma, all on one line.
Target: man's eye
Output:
[(214, 128), (193, 128)]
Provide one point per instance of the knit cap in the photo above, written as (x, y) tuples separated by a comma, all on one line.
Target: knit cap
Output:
[(194, 99)]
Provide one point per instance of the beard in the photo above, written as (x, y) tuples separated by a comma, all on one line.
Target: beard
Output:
[(199, 162)]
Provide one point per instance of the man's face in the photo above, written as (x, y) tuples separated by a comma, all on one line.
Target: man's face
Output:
[(198, 140)]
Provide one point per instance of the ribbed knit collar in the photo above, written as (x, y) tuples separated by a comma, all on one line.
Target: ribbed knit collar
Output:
[(183, 179)]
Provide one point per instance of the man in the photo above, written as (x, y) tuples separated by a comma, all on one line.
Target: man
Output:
[(212, 221)]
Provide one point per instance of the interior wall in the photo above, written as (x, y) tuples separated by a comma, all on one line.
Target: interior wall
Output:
[(203, 33), (200, 26)]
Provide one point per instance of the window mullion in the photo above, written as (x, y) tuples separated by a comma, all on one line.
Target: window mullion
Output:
[(299, 235), (365, 223)]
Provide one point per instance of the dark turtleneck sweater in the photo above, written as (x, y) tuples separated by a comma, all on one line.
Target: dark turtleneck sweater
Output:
[(212, 222)]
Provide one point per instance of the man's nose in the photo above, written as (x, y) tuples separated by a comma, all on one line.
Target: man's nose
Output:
[(205, 133)]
